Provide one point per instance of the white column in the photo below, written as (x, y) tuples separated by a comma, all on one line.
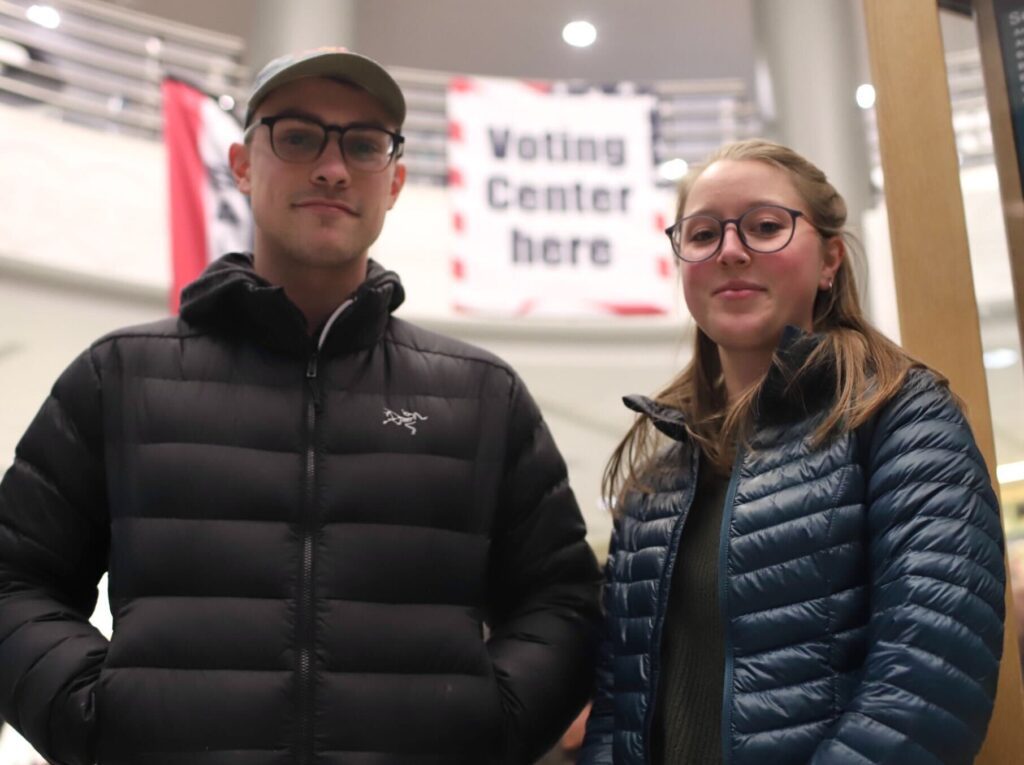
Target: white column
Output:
[(279, 27), (810, 57)]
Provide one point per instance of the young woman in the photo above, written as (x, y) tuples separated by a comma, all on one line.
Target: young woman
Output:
[(807, 564)]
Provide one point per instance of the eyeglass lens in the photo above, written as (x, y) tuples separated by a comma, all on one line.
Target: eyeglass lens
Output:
[(364, 148), (762, 229)]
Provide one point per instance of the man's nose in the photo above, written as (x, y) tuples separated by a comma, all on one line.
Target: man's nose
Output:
[(330, 167)]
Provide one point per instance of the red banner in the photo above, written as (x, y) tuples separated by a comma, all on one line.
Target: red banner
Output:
[(208, 215)]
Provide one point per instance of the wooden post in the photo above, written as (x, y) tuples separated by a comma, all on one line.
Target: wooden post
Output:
[(931, 262)]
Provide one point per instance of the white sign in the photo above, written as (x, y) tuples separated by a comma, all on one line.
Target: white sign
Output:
[(554, 202)]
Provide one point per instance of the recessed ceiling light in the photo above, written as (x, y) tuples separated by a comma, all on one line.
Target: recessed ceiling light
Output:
[(44, 16), (579, 34)]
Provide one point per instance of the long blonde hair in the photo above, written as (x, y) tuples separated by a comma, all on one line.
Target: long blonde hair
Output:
[(868, 367)]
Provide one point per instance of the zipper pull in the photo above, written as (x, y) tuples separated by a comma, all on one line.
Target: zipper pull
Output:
[(311, 370)]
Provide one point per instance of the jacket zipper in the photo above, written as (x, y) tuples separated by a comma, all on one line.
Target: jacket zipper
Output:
[(663, 588), (723, 602), (306, 620)]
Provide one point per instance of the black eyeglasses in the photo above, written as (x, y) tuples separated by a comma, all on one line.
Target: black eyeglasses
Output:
[(368, 148), (765, 229)]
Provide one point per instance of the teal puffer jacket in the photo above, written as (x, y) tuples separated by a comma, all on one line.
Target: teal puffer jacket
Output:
[(861, 587)]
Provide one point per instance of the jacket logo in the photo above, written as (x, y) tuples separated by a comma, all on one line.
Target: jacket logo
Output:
[(404, 419)]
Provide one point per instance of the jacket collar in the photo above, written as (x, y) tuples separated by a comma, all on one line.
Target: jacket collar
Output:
[(231, 297), (787, 397), (784, 397)]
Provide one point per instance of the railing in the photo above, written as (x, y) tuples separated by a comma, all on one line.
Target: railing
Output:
[(103, 66)]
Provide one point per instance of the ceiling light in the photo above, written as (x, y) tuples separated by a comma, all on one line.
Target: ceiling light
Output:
[(1010, 472), (1000, 358), (13, 54), (673, 169), (579, 34), (44, 16), (866, 96)]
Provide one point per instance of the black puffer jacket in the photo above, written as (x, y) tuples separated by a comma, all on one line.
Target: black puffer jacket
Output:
[(303, 546)]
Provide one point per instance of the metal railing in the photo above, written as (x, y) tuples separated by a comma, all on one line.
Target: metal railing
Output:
[(103, 66)]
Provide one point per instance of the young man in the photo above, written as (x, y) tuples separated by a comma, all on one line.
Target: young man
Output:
[(309, 509)]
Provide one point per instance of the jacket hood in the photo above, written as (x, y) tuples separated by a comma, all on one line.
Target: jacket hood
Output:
[(785, 396), (230, 295)]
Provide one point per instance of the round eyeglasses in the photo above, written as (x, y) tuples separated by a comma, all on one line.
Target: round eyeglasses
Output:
[(764, 229), (368, 148)]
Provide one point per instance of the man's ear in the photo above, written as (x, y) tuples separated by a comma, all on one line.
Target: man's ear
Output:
[(397, 182), (238, 157)]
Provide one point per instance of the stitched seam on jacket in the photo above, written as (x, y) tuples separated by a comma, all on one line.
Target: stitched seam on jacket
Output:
[(788, 521), (795, 726), (952, 667), (791, 646), (170, 336), (808, 554), (290, 386), (849, 748), (973, 565), (287, 522), (957, 518), (787, 687), (905, 736), (799, 602), (945, 583), (928, 703), (945, 616), (904, 484), (394, 341), (796, 482), (914, 447), (293, 452)]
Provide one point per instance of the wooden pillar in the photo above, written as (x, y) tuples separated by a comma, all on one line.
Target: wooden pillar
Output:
[(931, 262)]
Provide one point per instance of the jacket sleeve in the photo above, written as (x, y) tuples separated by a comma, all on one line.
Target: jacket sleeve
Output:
[(544, 588), (935, 632), (597, 745), (54, 539)]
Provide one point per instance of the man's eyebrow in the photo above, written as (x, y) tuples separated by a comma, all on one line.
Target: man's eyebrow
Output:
[(303, 114), (298, 112)]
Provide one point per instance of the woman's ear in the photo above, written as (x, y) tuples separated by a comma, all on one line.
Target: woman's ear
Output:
[(832, 258)]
